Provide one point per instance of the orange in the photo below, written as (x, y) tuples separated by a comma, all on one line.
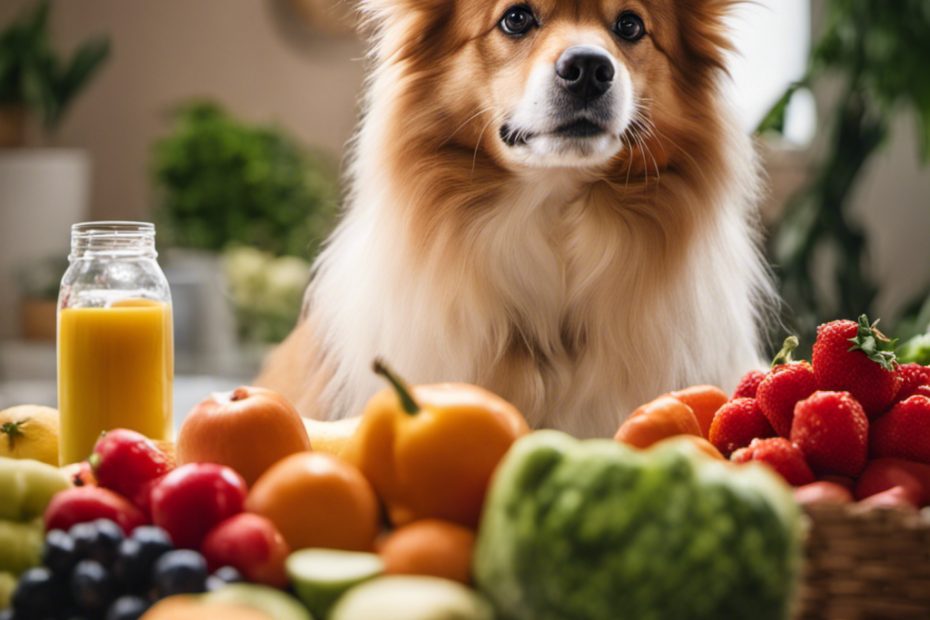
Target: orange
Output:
[(660, 419), (430, 547), (704, 401), (701, 444), (318, 500)]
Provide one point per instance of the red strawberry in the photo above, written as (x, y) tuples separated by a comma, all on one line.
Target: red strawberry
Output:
[(857, 358), (743, 455), (736, 424), (749, 384), (784, 457), (903, 432), (832, 431), (781, 390), (913, 377)]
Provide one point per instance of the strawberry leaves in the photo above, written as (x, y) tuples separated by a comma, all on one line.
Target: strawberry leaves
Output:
[(876, 346)]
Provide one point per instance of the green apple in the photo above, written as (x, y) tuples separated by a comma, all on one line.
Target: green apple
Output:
[(411, 598), (27, 487), (7, 585), (20, 545), (269, 601), (320, 576)]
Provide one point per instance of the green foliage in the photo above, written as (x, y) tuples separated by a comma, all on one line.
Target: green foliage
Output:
[(223, 182), (33, 75), (881, 52)]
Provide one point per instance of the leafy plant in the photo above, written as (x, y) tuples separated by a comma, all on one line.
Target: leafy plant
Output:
[(881, 53), (224, 182), (33, 75)]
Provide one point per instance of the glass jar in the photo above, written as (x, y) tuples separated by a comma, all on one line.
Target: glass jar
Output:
[(115, 341)]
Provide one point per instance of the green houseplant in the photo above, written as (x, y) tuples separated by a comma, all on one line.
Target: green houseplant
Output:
[(35, 79), (223, 182), (879, 52), (253, 194)]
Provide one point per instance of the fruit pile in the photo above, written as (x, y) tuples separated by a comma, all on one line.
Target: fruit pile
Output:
[(850, 424), (257, 514)]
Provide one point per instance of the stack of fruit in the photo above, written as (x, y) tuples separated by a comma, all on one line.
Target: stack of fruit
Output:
[(851, 424)]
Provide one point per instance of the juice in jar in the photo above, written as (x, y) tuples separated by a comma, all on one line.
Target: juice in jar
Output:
[(115, 370)]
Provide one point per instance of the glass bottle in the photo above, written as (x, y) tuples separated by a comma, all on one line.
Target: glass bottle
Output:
[(115, 340)]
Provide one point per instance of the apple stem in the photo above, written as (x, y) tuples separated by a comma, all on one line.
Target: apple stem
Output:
[(239, 394), (403, 392)]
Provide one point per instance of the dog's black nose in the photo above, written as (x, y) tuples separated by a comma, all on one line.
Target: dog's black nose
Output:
[(585, 72)]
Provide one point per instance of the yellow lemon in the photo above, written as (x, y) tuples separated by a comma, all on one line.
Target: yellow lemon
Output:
[(29, 432)]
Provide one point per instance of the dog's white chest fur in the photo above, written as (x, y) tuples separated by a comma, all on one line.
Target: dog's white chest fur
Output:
[(548, 301)]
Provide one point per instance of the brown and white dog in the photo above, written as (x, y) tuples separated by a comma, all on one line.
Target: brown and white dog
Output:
[(549, 199)]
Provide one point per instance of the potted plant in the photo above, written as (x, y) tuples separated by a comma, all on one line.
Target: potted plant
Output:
[(225, 184), (42, 190)]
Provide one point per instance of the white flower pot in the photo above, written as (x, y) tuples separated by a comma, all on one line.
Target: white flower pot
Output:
[(42, 193)]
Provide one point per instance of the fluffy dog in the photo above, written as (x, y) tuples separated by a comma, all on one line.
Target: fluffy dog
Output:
[(549, 199)]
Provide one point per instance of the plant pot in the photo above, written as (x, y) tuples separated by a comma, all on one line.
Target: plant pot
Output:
[(39, 319), (42, 193), (12, 126)]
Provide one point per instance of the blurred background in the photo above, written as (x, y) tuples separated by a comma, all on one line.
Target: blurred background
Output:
[(225, 122)]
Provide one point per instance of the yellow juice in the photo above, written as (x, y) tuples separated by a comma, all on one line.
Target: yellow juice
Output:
[(115, 370)]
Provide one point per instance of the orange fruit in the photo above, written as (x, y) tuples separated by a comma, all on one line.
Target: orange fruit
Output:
[(704, 401), (318, 500), (430, 547), (701, 444), (660, 419)]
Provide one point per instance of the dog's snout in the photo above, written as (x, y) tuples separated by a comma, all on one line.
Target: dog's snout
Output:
[(585, 72)]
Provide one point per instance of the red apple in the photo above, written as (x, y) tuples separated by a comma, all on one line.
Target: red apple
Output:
[(252, 545), (881, 475), (192, 499), (822, 493), (249, 429), (129, 463)]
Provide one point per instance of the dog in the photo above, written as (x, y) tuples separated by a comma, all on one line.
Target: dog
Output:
[(550, 199)]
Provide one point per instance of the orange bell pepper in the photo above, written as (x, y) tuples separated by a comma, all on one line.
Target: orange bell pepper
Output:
[(430, 451)]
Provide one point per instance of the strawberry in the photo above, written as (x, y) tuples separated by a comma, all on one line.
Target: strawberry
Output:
[(736, 424), (782, 456), (903, 432), (832, 431), (787, 383), (857, 358), (748, 384), (913, 377)]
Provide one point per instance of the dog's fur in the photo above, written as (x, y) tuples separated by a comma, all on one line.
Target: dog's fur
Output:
[(576, 277)]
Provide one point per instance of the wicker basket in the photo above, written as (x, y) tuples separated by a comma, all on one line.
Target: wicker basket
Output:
[(866, 564)]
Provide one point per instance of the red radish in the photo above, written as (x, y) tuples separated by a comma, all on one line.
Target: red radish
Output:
[(191, 500), (822, 493), (127, 462), (88, 503), (883, 474), (252, 545), (903, 498)]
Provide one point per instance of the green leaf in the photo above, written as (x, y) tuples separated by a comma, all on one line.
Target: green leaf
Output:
[(876, 347), (88, 59), (775, 119)]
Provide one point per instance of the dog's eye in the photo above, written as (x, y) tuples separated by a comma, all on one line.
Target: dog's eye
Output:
[(517, 21), (630, 27)]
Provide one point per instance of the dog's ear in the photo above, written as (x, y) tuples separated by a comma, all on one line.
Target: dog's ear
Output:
[(378, 10), (704, 30)]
